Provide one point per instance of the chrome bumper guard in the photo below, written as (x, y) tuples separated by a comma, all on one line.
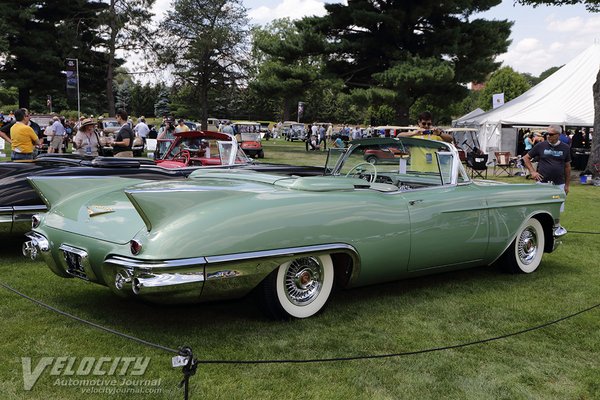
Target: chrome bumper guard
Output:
[(148, 277), (558, 232), (37, 245)]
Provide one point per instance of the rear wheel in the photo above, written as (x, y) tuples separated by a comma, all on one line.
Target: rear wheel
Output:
[(261, 154), (524, 254), (299, 288)]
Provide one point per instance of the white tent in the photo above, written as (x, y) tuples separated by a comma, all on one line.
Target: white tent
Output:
[(564, 98)]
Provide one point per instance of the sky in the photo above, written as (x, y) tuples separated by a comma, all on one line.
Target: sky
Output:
[(542, 37)]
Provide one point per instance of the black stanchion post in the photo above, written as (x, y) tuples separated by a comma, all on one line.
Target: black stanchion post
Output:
[(186, 360)]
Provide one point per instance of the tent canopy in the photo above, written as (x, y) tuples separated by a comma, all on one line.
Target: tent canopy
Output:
[(564, 98)]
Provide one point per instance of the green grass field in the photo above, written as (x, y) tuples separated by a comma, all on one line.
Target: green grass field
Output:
[(560, 361)]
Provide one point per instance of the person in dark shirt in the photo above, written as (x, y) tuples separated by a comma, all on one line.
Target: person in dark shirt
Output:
[(124, 139), (554, 162)]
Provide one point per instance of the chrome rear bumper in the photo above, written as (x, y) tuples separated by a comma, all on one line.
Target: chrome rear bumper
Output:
[(175, 280)]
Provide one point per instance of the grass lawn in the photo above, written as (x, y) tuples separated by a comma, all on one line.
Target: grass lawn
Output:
[(557, 362)]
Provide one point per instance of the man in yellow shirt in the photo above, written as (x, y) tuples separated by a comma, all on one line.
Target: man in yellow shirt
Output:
[(422, 159), (22, 136), (182, 127)]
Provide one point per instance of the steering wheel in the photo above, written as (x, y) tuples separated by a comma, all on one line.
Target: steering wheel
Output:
[(183, 156), (373, 176)]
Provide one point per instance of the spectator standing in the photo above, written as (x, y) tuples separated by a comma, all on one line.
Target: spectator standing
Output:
[(85, 142), (227, 128), (5, 132), (554, 162), (426, 130), (168, 130), (141, 129), (22, 136), (322, 137), (58, 136), (181, 126), (124, 140)]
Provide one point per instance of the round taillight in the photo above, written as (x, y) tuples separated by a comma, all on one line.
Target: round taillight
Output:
[(135, 247), (35, 221)]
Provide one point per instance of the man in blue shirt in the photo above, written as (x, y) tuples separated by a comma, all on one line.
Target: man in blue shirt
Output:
[(58, 135)]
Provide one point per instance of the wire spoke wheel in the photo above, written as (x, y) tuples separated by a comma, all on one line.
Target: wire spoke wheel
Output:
[(299, 288)]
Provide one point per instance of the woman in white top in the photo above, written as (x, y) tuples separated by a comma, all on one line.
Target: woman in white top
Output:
[(85, 141)]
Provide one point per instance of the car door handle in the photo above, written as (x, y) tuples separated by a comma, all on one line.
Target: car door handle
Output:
[(413, 202)]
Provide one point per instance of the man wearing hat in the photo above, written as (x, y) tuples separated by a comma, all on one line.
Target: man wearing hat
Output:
[(85, 141)]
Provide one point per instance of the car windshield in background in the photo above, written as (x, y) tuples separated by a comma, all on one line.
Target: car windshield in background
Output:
[(251, 137), (248, 128), (111, 124), (209, 148)]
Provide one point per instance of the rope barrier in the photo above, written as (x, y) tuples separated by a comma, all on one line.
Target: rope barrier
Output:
[(185, 357), (191, 362)]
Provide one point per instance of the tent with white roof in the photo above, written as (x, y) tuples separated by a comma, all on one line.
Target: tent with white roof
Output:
[(564, 98)]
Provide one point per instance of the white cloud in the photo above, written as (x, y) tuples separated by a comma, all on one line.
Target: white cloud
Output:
[(293, 9), (572, 24)]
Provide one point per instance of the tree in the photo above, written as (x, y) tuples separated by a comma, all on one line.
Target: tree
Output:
[(39, 36), (126, 27), (281, 71), (590, 5), (593, 6), (400, 51), (206, 44), (506, 81), (162, 106)]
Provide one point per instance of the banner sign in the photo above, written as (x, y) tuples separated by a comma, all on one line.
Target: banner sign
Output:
[(497, 100), (72, 78), (300, 110)]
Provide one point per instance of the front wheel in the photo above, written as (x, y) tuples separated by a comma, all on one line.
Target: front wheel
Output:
[(524, 254), (299, 288)]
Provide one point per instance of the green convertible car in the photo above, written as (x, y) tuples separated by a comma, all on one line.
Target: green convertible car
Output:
[(223, 233)]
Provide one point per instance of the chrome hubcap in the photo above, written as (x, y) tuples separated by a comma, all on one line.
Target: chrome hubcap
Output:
[(528, 245), (303, 280)]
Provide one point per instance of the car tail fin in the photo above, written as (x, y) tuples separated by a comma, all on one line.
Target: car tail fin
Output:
[(157, 207), (54, 190)]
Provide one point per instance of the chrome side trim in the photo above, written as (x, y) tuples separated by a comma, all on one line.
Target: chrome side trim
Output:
[(150, 264), (291, 251)]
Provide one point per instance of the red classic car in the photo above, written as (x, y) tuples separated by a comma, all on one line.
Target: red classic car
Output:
[(373, 156), (199, 148)]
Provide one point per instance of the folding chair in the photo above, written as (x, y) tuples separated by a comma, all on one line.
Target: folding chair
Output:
[(503, 163), (477, 165)]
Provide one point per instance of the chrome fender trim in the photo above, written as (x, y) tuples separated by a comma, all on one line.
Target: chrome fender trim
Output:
[(242, 270)]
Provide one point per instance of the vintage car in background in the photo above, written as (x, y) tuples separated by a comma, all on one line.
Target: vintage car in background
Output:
[(248, 134), (225, 233), (291, 131), (199, 148), (376, 155), (18, 200), (391, 131)]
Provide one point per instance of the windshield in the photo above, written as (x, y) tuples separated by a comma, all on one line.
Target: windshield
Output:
[(251, 137), (248, 128), (395, 161), (207, 148), (111, 124)]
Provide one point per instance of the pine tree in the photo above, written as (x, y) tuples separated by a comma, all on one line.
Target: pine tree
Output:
[(162, 107)]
